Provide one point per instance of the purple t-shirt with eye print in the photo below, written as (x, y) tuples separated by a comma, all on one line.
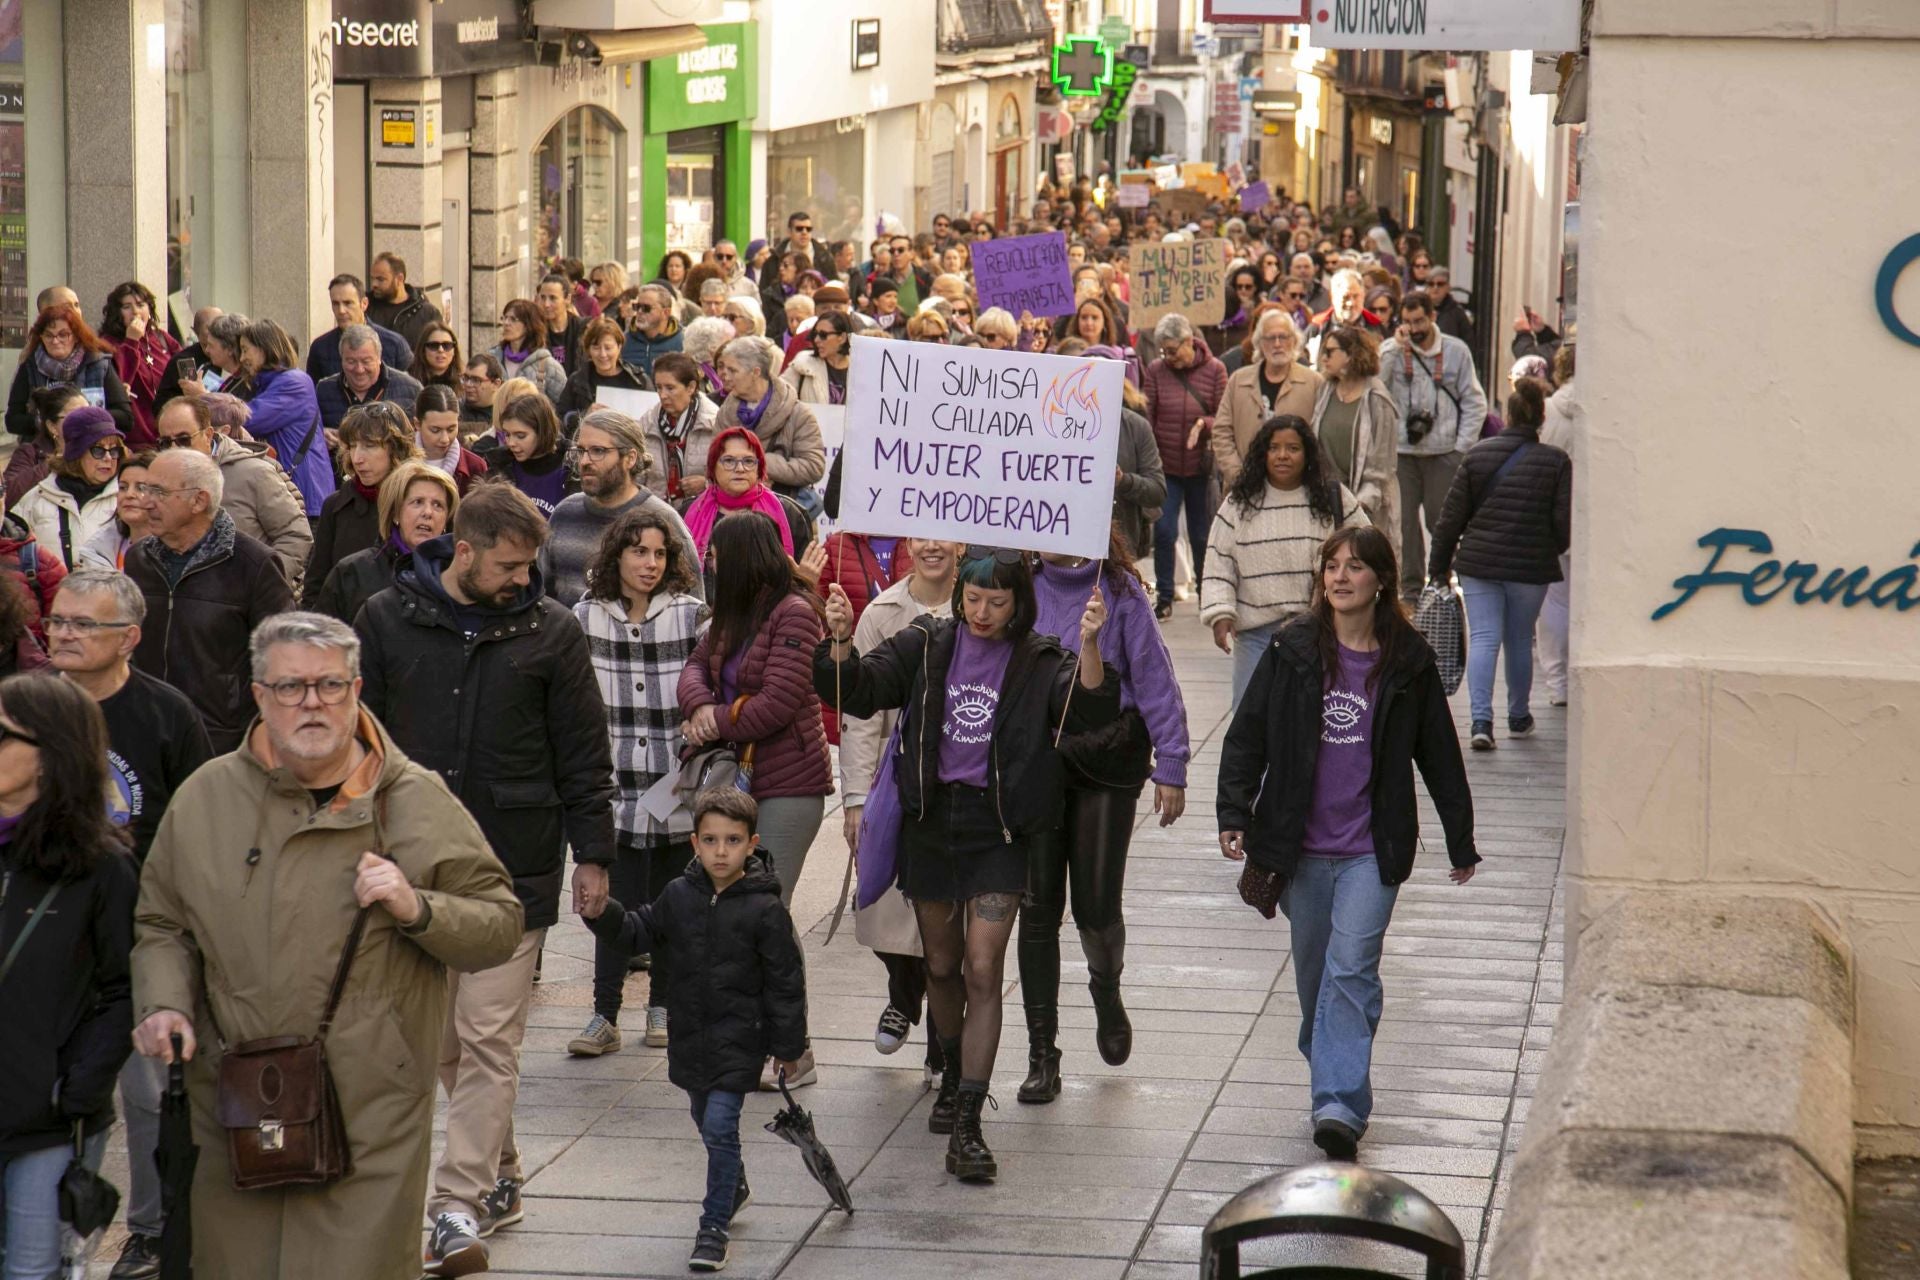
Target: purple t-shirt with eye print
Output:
[(973, 696), (1340, 823)]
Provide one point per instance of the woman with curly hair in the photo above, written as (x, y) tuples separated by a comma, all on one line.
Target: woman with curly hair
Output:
[(1271, 524), (375, 438), (142, 350), (642, 622)]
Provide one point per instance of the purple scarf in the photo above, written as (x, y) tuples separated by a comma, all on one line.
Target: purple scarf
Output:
[(750, 418)]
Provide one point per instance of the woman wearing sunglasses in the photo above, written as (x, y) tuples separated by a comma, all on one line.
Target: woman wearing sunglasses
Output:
[(436, 361), (78, 497), (979, 782), (819, 375)]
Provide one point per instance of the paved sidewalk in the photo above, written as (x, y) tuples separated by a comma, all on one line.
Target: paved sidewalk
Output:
[(1119, 1175)]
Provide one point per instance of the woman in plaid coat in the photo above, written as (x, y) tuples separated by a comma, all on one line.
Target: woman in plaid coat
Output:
[(642, 624)]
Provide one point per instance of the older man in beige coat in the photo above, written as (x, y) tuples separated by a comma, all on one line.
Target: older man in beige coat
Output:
[(246, 902), (1273, 383)]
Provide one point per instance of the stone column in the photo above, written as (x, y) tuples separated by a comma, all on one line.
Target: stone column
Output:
[(290, 124), (116, 142), (404, 184), (497, 196)]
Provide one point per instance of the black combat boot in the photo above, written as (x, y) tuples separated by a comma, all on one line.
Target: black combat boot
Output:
[(945, 1102), (1043, 1058), (968, 1158)]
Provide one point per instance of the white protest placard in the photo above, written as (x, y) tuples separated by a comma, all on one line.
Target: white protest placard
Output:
[(635, 404), (1003, 448), (833, 433)]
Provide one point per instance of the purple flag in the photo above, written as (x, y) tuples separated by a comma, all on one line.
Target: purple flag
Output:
[(1024, 273)]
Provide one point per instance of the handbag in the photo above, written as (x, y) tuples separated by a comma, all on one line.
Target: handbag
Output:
[(275, 1097), (1116, 756), (1442, 619), (878, 860), (722, 765), (1260, 889)]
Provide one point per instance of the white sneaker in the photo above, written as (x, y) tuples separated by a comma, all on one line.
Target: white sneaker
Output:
[(656, 1027), (892, 1031)]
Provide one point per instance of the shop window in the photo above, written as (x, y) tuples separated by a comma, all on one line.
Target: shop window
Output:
[(578, 195), (821, 170)]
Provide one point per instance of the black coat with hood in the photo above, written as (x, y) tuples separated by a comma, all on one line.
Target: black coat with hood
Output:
[(67, 1006), (1267, 763), (909, 671), (737, 990), (511, 719)]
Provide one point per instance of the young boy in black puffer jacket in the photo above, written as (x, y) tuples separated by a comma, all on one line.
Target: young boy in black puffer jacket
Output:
[(738, 991)]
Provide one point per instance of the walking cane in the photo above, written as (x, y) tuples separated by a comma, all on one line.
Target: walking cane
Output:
[(840, 731)]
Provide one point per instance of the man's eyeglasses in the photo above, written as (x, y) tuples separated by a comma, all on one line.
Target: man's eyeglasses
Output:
[(740, 464), (1277, 339), (469, 380), (595, 453), (726, 257), (158, 490), (291, 693), (163, 443), (82, 626), (643, 309), (806, 230)]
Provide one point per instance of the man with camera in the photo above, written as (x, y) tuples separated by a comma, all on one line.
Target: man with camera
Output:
[(1442, 408)]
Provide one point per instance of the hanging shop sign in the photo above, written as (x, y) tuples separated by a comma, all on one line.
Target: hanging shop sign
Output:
[(385, 39), (1115, 31), (1124, 75), (866, 43), (1082, 67), (1256, 10), (1447, 24), (717, 84)]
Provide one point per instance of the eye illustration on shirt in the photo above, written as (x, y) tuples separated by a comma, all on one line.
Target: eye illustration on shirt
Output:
[(1341, 713), (973, 712)]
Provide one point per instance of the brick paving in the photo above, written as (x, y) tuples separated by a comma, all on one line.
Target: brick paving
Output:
[(1117, 1177)]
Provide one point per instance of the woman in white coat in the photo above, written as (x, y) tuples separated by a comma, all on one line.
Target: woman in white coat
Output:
[(78, 497)]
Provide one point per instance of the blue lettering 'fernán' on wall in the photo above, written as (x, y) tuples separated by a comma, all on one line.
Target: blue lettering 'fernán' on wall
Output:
[(1769, 578), (1903, 255)]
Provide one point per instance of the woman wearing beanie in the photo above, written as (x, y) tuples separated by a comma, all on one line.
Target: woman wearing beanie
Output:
[(1506, 523), (979, 781), (1105, 772), (78, 498)]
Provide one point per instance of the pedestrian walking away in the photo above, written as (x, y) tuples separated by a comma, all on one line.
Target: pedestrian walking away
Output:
[(642, 622), (1507, 523), (979, 779), (1316, 797), (250, 892), (738, 994), (1105, 771), (484, 679)]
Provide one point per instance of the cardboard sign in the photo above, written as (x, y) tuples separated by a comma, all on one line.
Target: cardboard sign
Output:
[(1189, 278), (1184, 203), (1002, 448), (1135, 195), (1254, 197), (1024, 273)]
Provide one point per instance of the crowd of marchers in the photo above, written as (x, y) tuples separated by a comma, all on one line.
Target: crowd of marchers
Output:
[(365, 644)]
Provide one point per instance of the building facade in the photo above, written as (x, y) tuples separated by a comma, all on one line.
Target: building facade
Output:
[(982, 149)]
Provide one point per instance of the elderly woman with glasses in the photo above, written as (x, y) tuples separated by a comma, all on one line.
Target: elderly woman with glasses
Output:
[(769, 407), (737, 482), (374, 439), (79, 496)]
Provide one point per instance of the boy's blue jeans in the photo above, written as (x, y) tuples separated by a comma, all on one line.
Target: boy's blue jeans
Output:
[(717, 1113)]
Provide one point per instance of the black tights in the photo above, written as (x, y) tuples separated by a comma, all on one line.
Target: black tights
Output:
[(1091, 850), (966, 946)]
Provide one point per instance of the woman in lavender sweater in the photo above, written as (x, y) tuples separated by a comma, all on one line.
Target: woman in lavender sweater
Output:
[(1105, 772)]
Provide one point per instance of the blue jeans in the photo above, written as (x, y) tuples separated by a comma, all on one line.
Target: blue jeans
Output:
[(1182, 491), (1247, 647), (32, 1237), (717, 1113), (1500, 613), (1339, 912)]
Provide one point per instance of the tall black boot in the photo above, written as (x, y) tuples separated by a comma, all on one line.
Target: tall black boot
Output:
[(1043, 1059), (946, 1102), (1106, 949), (968, 1158)]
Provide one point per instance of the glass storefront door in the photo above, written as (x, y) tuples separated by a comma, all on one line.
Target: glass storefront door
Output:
[(695, 179), (578, 197)]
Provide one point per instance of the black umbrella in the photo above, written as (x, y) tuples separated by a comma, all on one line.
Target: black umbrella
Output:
[(795, 1124), (88, 1204), (176, 1157)]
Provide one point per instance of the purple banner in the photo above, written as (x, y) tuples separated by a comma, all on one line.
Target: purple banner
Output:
[(1254, 197), (1024, 273)]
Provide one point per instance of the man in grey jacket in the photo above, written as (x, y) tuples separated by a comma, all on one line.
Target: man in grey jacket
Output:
[(1442, 409)]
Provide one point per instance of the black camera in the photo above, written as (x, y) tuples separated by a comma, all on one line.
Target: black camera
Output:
[(1418, 424)]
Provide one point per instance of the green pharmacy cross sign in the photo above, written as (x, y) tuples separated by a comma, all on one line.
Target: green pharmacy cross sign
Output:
[(1082, 67)]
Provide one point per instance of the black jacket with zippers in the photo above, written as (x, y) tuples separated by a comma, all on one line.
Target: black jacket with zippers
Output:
[(1267, 761), (909, 671)]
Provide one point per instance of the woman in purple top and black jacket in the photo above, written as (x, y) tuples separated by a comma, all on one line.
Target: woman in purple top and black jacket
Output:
[(982, 694), (1316, 794), (1105, 772)]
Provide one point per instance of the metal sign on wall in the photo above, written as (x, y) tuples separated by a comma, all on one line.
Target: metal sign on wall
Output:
[(1446, 24), (716, 84)]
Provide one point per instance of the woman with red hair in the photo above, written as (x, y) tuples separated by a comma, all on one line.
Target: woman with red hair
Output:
[(142, 350), (62, 350), (736, 482)]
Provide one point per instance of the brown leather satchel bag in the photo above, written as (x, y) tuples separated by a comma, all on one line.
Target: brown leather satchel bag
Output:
[(275, 1097)]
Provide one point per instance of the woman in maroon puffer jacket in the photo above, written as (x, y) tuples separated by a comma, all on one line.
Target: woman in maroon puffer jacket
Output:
[(750, 682)]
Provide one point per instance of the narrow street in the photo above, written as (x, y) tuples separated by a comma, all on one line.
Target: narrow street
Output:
[(1118, 1177)]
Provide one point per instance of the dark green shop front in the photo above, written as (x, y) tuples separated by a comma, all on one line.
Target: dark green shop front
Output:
[(697, 152)]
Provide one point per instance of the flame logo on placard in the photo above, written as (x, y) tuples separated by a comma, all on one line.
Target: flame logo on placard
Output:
[(1071, 410)]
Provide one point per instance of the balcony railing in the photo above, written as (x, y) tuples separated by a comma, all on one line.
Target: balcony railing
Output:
[(963, 26)]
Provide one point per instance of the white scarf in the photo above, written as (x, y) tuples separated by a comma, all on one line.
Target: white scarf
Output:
[(446, 461)]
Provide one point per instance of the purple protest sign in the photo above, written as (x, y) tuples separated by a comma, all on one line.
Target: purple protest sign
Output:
[(1024, 273), (1254, 197)]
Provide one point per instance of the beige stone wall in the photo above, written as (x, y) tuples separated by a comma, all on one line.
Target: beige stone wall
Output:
[(1740, 196)]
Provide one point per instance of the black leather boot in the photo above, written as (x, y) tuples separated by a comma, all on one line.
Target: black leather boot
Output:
[(1043, 1059), (968, 1158), (945, 1102), (1105, 950)]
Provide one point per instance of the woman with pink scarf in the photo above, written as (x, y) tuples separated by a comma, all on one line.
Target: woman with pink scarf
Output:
[(736, 482)]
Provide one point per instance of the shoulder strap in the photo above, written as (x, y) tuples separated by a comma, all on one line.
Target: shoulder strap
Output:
[(20, 940), (1501, 474), (359, 928)]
